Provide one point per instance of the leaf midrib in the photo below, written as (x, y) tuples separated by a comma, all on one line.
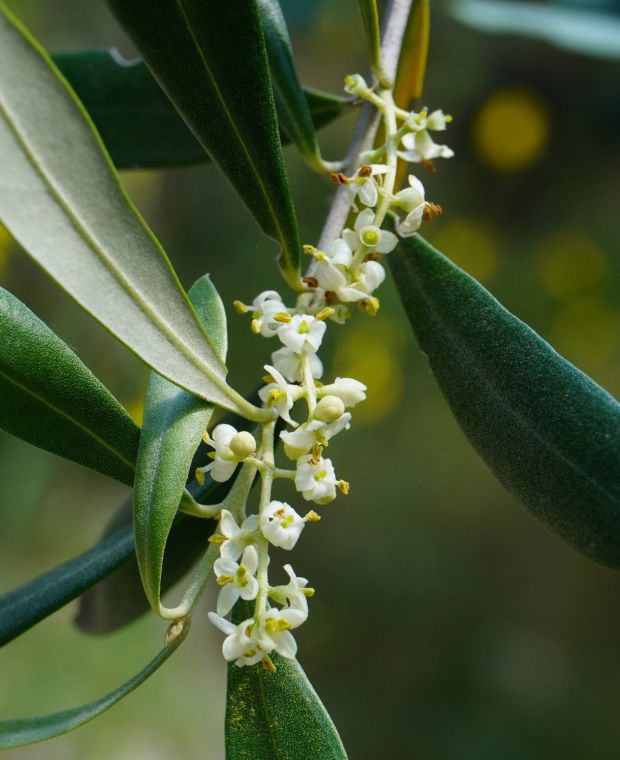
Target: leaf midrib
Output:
[(233, 125), (469, 358), (68, 417), (91, 242)]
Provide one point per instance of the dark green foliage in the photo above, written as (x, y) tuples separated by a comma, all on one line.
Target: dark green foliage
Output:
[(52, 400), (276, 716), (139, 125), (210, 59), (549, 433)]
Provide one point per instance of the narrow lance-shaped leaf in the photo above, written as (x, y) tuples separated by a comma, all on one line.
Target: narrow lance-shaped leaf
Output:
[(173, 425), (409, 82), (118, 596), (30, 603), (549, 433), (276, 714), (21, 731), (291, 104), (370, 18), (137, 122), (210, 59), (52, 400), (86, 233)]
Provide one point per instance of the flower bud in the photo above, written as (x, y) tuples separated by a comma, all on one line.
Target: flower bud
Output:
[(243, 445), (329, 409), (354, 84)]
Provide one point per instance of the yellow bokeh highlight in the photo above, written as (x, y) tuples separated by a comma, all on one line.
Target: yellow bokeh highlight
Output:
[(587, 332), (6, 242), (568, 264), (511, 129), (470, 244), (370, 352)]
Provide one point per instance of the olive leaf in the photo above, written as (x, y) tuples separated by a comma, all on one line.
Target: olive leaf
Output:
[(52, 400), (142, 129), (21, 731), (549, 433), (103, 253), (211, 61)]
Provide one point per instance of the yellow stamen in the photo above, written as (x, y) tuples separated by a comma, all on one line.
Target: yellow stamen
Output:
[(222, 580), (255, 326), (325, 313), (217, 538), (200, 476), (240, 307), (312, 516), (283, 317), (343, 486), (268, 664)]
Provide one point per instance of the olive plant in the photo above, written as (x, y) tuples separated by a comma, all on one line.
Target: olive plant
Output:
[(217, 81)]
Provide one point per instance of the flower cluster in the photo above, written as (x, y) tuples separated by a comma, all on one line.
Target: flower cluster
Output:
[(348, 271)]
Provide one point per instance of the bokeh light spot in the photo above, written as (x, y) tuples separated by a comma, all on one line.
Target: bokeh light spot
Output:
[(370, 352), (587, 332), (568, 263), (511, 129), (470, 244)]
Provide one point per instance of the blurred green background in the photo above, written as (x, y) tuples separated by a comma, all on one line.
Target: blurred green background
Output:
[(446, 624)]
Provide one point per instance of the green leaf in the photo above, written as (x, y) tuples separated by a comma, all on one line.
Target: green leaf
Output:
[(276, 715), (61, 199), (138, 124), (108, 572), (291, 104), (210, 59), (52, 400), (173, 425), (370, 17), (20, 731), (409, 82), (119, 598), (549, 433), (30, 603)]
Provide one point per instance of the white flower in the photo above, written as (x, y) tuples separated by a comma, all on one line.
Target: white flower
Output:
[(316, 479), (290, 364), (281, 525), (364, 185), (243, 642), (236, 580), (264, 307), (368, 276), (300, 441), (295, 594), (237, 538), (303, 334), (280, 395), (370, 235), (275, 630), (332, 265), (419, 145), (350, 391), (411, 200), (224, 461)]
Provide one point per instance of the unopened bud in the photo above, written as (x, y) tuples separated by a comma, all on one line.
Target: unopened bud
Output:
[(354, 84), (329, 409), (243, 445)]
